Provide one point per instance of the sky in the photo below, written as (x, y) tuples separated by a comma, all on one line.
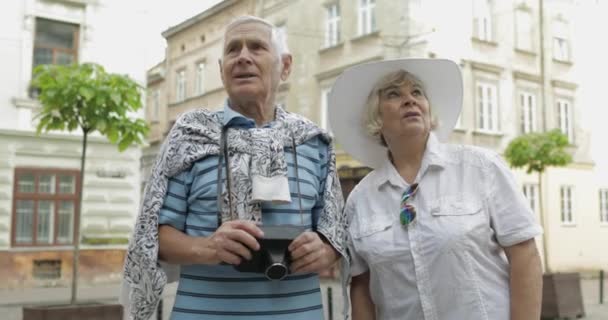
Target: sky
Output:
[(140, 46)]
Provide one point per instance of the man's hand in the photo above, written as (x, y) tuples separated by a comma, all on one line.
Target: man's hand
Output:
[(311, 254), (234, 240)]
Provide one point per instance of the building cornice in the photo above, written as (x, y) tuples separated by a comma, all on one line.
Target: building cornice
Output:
[(198, 18), (481, 66), (564, 84), (520, 75), (51, 136)]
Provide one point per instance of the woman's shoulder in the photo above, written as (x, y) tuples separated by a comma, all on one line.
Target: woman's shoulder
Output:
[(361, 190), (472, 155)]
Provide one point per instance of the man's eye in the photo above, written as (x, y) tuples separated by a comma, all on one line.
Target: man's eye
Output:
[(417, 92)]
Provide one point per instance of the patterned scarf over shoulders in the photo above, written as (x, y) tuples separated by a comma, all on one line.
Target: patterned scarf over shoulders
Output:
[(195, 135)]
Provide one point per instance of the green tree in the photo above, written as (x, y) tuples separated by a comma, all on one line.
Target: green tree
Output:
[(535, 152), (87, 98)]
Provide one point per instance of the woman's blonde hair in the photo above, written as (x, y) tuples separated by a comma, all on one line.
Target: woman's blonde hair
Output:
[(373, 120)]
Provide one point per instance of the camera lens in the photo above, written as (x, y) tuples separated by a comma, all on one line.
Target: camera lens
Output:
[(276, 271)]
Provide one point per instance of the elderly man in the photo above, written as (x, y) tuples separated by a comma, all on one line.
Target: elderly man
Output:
[(220, 178)]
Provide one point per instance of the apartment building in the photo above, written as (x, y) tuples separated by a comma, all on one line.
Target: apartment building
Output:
[(518, 78), (40, 174)]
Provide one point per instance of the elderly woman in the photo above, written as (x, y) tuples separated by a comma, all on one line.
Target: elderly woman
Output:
[(437, 231)]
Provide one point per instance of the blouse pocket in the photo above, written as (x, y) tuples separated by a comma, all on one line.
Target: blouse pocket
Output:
[(458, 218), (377, 242)]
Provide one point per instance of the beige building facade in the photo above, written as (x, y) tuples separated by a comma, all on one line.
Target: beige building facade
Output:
[(514, 84), (40, 174)]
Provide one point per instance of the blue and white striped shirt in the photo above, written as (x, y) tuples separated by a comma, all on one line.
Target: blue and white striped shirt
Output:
[(219, 291)]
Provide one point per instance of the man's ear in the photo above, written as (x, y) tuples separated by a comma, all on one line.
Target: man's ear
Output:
[(286, 61)]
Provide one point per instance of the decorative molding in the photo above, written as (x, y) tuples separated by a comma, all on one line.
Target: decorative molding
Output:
[(95, 198), (52, 136), (206, 93), (567, 63), (484, 42), (46, 154), (359, 38), (121, 228), (520, 75), (497, 134), (122, 199), (481, 66), (526, 52), (25, 103), (5, 180), (564, 84), (334, 47), (109, 184), (107, 213)]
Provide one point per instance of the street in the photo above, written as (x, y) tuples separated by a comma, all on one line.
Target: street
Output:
[(12, 301)]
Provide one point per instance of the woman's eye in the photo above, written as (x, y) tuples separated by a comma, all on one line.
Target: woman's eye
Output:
[(417, 92), (392, 94)]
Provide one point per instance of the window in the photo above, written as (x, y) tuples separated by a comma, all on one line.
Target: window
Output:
[(367, 16), (527, 102), (200, 78), (44, 207), (482, 20), (566, 197), (561, 46), (332, 25), (531, 193), (324, 111), (524, 34), (604, 205), (487, 113), (55, 42), (564, 119), (180, 86), (156, 105)]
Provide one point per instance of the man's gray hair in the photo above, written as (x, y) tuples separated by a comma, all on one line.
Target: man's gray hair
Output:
[(277, 38)]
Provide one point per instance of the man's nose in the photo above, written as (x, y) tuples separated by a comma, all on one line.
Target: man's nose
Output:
[(244, 56)]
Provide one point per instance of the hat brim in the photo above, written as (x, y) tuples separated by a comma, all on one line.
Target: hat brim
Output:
[(441, 78)]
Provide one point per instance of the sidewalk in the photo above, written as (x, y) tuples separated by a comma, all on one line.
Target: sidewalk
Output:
[(11, 302)]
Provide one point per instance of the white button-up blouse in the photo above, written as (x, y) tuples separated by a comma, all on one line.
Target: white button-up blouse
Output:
[(448, 264)]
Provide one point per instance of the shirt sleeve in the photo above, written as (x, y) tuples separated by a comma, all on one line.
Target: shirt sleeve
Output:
[(175, 205), (317, 210), (357, 264), (511, 216)]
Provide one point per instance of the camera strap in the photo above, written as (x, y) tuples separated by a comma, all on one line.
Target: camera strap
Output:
[(223, 157)]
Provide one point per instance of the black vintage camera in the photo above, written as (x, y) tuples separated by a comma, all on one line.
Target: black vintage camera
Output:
[(273, 259)]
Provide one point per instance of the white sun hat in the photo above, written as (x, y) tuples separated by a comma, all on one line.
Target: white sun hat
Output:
[(442, 82)]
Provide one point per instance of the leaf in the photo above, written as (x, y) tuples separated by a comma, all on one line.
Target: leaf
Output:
[(101, 125), (124, 143), (87, 93), (116, 98)]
